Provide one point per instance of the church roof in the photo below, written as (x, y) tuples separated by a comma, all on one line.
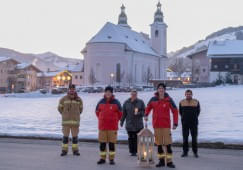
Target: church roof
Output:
[(135, 41), (225, 48)]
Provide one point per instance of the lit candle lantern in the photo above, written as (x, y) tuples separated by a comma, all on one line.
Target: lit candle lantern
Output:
[(145, 147)]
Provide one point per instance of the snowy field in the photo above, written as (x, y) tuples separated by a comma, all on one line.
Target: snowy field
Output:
[(33, 114)]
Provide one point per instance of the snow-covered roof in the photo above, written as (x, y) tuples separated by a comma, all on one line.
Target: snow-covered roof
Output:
[(23, 65), (2, 59), (225, 48), (112, 33), (175, 75), (26, 65), (48, 74), (74, 68)]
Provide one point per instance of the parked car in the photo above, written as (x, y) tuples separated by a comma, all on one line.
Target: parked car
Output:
[(43, 91), (56, 91)]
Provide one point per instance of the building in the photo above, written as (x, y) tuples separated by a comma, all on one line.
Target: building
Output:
[(7, 66), (184, 77), (119, 55), (24, 78), (226, 61), (200, 66), (71, 74)]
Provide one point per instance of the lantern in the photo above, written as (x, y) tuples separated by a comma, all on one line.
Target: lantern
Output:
[(145, 147)]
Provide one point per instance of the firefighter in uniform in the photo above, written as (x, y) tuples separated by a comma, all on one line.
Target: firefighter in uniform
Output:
[(70, 107), (162, 104), (189, 111), (108, 112)]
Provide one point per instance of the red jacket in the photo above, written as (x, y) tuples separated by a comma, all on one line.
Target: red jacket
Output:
[(109, 112), (161, 111)]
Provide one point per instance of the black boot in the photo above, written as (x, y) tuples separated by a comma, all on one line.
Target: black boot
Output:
[(161, 163), (170, 165), (101, 161), (76, 153), (196, 155), (133, 154), (112, 162), (184, 154), (64, 153)]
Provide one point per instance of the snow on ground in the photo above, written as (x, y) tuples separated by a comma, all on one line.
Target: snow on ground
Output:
[(221, 118)]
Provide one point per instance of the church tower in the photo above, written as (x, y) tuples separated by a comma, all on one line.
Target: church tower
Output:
[(122, 20), (159, 32)]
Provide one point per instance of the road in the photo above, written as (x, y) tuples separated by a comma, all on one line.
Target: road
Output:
[(22, 154)]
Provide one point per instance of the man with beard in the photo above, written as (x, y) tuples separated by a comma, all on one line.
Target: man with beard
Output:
[(133, 113), (162, 104), (70, 107)]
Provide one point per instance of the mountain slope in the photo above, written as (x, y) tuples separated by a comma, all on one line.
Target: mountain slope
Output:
[(46, 61), (230, 33)]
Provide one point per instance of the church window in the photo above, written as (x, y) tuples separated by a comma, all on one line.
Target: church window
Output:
[(156, 33), (118, 72)]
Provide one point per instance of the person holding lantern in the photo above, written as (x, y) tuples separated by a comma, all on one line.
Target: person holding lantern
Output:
[(133, 113), (70, 107), (108, 112), (162, 104)]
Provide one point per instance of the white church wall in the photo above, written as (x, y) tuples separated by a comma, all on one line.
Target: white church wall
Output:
[(103, 58)]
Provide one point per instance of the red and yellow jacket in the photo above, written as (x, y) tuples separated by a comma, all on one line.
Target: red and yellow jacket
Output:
[(161, 111), (108, 112)]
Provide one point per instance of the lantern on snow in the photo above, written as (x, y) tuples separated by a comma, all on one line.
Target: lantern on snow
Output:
[(145, 147)]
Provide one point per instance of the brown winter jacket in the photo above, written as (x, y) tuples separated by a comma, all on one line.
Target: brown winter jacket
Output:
[(70, 110)]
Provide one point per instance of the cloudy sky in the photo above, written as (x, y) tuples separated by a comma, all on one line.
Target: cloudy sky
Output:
[(64, 26)]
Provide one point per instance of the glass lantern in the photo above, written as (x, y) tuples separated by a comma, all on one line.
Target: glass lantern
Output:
[(145, 147)]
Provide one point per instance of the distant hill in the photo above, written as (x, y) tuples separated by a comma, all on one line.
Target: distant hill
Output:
[(45, 61), (230, 33)]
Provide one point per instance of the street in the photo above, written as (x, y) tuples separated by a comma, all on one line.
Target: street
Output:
[(21, 154)]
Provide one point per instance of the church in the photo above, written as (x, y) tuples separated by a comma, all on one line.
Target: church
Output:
[(118, 55)]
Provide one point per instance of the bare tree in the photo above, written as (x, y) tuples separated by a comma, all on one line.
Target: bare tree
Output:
[(129, 79), (179, 66), (92, 78), (148, 75)]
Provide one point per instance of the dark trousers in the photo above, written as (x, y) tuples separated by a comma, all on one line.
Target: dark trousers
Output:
[(186, 130), (103, 151), (161, 153), (132, 141)]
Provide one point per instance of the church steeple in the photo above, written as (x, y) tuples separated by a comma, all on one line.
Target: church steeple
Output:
[(159, 16), (123, 17)]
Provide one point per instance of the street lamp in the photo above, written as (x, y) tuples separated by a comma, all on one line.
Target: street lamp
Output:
[(112, 75)]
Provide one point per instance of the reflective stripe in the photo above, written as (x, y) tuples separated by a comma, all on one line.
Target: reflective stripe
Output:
[(112, 153), (71, 101), (161, 156), (169, 156), (75, 102), (102, 153), (75, 146), (64, 147), (70, 122), (67, 101)]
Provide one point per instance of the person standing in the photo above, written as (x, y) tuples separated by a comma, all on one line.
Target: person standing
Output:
[(162, 104), (108, 112), (133, 113), (189, 110), (70, 107)]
